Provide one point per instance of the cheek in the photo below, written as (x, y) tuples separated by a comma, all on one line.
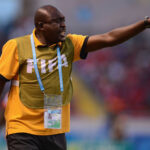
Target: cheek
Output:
[(54, 30)]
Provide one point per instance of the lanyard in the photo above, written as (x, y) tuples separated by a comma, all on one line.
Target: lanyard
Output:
[(60, 69), (36, 68)]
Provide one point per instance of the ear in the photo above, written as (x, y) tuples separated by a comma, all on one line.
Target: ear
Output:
[(40, 25)]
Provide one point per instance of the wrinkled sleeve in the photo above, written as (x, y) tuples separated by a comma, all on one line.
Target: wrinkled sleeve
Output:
[(9, 60)]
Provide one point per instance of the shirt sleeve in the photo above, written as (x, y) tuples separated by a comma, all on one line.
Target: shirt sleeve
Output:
[(9, 60), (78, 41)]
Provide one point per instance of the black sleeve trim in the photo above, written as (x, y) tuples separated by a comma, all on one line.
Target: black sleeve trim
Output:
[(3, 78), (83, 53)]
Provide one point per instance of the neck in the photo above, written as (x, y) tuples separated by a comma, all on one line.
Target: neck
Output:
[(42, 39)]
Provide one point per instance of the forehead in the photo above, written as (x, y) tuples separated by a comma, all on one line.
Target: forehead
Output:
[(53, 14)]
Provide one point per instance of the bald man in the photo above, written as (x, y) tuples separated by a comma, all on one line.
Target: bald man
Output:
[(31, 63)]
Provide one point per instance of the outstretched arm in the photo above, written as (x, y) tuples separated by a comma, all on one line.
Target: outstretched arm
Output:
[(115, 36)]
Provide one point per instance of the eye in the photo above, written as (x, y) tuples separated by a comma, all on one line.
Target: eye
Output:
[(59, 20), (62, 19)]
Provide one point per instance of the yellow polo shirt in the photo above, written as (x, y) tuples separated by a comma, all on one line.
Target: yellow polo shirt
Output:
[(19, 118)]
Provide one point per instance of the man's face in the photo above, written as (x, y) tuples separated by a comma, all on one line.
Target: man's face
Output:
[(54, 28)]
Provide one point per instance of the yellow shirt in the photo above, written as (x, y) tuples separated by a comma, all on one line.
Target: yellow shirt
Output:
[(20, 118)]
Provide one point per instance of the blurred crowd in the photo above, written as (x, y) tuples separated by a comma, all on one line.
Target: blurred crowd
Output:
[(18, 27), (120, 76)]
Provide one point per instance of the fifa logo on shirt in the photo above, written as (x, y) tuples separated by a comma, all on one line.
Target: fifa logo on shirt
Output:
[(51, 64)]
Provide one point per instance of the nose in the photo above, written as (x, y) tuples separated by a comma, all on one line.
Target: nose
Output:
[(62, 24)]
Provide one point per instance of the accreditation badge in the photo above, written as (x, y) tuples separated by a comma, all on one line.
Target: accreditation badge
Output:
[(52, 111)]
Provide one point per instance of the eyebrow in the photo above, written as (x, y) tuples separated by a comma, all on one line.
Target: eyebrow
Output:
[(62, 18)]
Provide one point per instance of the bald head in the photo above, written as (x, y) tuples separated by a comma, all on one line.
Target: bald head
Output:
[(50, 25), (44, 14)]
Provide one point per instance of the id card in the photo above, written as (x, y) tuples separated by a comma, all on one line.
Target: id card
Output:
[(52, 111), (52, 118)]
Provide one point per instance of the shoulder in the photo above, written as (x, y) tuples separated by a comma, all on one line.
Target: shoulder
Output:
[(22, 37), (14, 40), (10, 44), (11, 41), (74, 36)]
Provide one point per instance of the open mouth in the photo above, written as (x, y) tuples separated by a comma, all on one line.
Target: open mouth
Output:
[(62, 35)]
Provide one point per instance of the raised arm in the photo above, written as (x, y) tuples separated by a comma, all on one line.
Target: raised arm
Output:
[(116, 36)]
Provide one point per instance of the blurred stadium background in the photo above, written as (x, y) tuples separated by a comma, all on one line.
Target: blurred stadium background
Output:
[(110, 109)]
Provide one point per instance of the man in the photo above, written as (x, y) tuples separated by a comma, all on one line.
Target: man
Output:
[(25, 113)]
